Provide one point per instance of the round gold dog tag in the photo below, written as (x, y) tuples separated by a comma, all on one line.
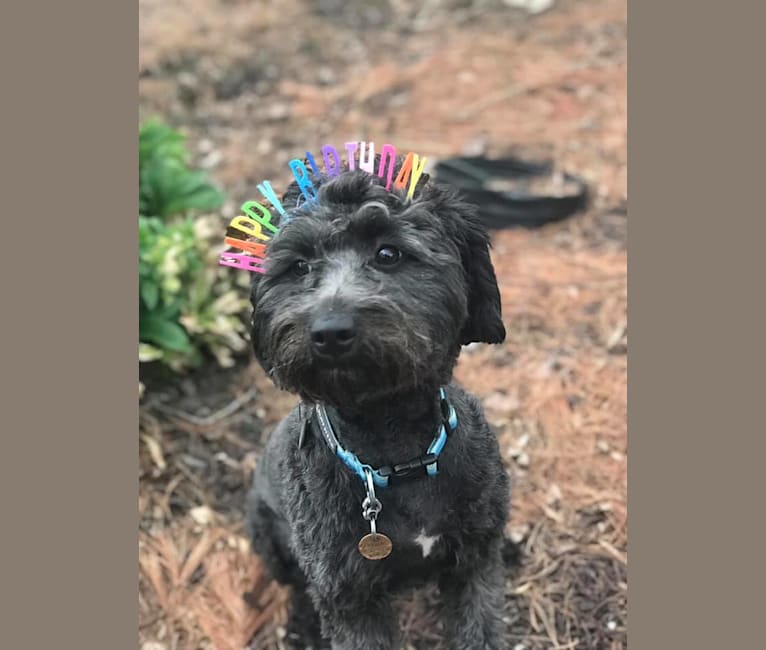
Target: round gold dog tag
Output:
[(375, 546)]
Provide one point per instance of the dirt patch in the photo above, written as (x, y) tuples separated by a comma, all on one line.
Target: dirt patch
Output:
[(253, 84)]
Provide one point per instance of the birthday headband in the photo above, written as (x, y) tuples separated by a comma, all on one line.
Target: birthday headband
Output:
[(256, 220)]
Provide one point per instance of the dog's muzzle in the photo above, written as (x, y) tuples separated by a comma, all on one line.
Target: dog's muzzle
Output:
[(333, 335)]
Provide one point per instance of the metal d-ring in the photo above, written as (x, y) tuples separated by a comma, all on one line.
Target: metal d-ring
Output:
[(371, 506)]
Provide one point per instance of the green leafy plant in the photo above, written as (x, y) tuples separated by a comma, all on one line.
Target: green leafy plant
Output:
[(167, 186), (187, 303)]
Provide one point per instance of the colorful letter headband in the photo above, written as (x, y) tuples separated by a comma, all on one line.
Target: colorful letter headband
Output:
[(256, 221)]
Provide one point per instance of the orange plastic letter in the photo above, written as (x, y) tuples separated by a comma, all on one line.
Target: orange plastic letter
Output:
[(404, 173), (259, 250)]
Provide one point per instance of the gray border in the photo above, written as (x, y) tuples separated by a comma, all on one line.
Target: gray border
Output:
[(694, 488), (69, 463), (70, 452)]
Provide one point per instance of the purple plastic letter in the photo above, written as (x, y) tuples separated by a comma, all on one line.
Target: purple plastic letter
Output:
[(331, 160), (351, 149)]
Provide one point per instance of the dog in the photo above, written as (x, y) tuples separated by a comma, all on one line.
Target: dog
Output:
[(386, 475)]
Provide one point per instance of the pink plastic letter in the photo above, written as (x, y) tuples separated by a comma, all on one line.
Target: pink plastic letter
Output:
[(387, 153), (244, 262)]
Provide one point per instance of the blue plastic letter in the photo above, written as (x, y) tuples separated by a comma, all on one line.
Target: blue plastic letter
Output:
[(312, 162), (302, 178), (268, 193)]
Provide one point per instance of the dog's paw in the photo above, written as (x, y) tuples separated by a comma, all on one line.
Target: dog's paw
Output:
[(511, 554)]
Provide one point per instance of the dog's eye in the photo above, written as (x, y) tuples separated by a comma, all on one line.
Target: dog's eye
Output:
[(301, 267), (387, 256)]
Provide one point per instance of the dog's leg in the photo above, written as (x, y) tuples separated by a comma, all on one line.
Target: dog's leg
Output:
[(367, 624), (303, 631), (473, 605), (264, 527), (268, 541)]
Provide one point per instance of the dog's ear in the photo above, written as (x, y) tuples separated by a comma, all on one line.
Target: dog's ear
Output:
[(484, 323), (255, 279)]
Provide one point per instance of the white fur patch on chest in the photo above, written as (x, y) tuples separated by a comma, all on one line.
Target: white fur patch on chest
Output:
[(426, 542)]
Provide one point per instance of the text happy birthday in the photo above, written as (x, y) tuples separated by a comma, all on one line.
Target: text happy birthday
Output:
[(256, 220)]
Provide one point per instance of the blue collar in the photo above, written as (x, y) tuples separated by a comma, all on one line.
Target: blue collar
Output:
[(382, 475)]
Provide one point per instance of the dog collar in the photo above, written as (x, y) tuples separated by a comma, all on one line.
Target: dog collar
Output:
[(382, 475)]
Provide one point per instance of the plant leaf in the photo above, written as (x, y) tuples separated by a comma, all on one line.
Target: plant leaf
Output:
[(165, 333), (150, 292), (148, 352)]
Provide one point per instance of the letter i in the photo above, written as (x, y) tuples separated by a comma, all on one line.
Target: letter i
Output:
[(351, 150)]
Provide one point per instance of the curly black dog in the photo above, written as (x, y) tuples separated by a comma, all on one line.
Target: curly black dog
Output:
[(366, 301)]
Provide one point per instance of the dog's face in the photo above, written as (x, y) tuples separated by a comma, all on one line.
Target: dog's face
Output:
[(367, 294)]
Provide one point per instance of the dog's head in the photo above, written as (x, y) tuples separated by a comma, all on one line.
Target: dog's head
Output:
[(367, 293)]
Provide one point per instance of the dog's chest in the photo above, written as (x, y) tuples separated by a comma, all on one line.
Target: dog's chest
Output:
[(416, 518), (421, 541), (423, 516), (426, 542), (417, 515)]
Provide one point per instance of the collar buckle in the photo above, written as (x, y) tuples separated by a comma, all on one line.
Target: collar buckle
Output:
[(408, 468)]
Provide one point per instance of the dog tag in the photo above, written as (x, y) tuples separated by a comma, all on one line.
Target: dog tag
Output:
[(375, 546)]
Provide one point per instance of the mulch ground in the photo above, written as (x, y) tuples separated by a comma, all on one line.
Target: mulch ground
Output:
[(253, 84)]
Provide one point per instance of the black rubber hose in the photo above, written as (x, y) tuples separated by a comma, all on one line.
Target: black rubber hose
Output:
[(507, 209)]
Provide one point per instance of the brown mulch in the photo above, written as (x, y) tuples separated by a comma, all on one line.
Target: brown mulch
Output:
[(253, 84)]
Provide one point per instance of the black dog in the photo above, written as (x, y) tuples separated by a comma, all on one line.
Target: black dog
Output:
[(367, 299)]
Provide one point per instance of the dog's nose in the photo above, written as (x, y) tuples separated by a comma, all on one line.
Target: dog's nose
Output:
[(333, 335)]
